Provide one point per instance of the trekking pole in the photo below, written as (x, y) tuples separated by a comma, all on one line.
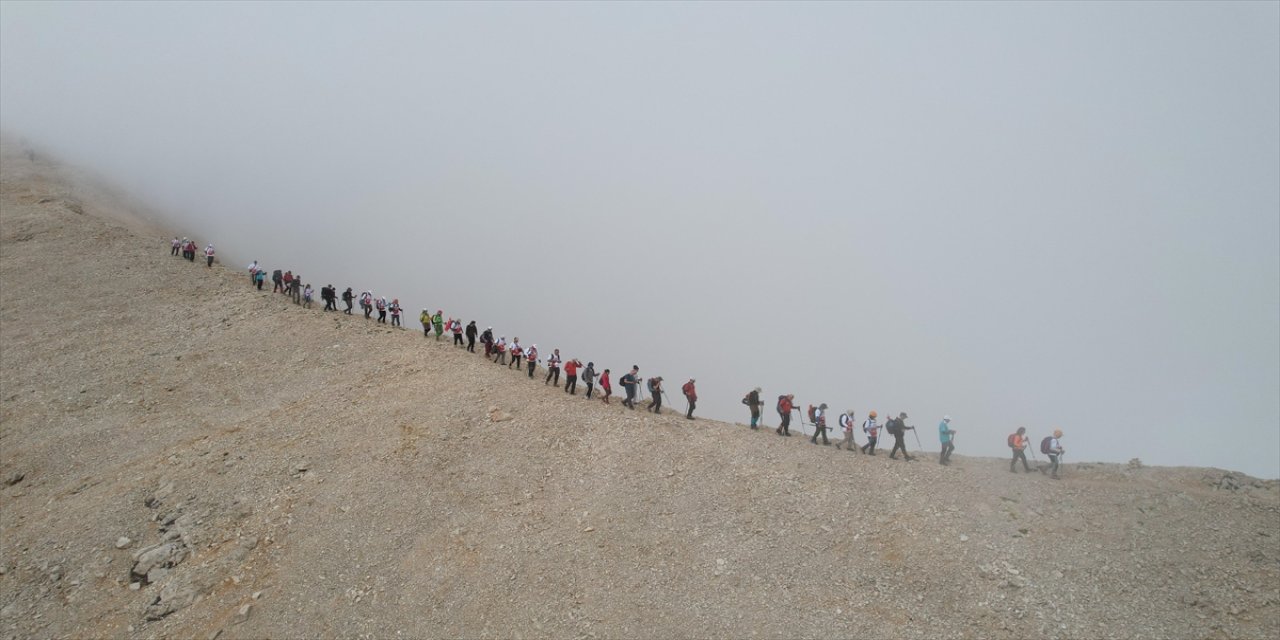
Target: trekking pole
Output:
[(919, 446)]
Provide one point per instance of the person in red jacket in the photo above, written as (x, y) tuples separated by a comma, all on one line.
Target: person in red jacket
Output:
[(786, 403), (605, 386), (571, 376), (690, 394)]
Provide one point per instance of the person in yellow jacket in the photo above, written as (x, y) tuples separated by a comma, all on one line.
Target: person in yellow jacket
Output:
[(425, 319)]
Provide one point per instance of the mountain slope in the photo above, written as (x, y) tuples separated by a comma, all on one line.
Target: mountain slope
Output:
[(312, 474)]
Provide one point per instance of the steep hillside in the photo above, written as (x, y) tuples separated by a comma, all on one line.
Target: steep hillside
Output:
[(185, 456)]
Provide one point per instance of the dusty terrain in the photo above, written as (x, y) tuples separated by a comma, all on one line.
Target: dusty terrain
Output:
[(184, 456)]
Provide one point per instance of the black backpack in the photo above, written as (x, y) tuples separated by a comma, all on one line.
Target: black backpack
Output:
[(276, 276), (894, 427)]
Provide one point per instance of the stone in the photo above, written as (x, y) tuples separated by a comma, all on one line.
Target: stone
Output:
[(134, 586), (964, 538), (9, 610), (123, 542), (14, 478), (243, 613), (160, 556)]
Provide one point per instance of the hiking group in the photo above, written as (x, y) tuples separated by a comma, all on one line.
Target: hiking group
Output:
[(1051, 446), (512, 354), (516, 356)]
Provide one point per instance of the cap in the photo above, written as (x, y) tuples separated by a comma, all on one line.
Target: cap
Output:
[(946, 418), (822, 406), (902, 415)]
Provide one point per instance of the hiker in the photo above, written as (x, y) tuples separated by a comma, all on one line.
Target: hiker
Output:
[(366, 303), (297, 289), (287, 279), (517, 352), (898, 429), (175, 246), (306, 297), (277, 280), (186, 249), (382, 309), (457, 332), (819, 418), (752, 400), (260, 277), (655, 390), (786, 403), (395, 312), (629, 382), (471, 336), (589, 378), (872, 430), (571, 376), (846, 424), (605, 386), (425, 319), (500, 350), (531, 359), (1018, 442), (208, 255), (487, 339), (327, 294), (553, 367), (191, 251), (691, 395), (1052, 447), (348, 298), (253, 272), (437, 321), (946, 434)]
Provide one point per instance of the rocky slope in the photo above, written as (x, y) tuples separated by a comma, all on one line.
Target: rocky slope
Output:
[(185, 456)]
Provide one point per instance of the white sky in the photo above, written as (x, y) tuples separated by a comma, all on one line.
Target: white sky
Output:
[(1030, 214)]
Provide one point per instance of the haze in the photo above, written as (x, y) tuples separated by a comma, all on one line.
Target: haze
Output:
[(1028, 214)]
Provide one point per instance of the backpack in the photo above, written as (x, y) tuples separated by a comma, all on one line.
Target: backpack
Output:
[(894, 427), (276, 276), (746, 399), (1046, 444), (1011, 437), (783, 405), (813, 415)]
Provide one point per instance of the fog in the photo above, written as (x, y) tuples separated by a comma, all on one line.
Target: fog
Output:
[(1017, 214)]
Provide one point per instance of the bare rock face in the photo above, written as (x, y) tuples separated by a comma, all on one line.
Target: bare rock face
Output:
[(158, 557)]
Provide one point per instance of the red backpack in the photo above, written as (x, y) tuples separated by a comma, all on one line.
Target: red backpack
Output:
[(813, 415), (1011, 437)]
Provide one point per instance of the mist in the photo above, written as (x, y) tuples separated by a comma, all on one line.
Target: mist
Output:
[(1016, 214)]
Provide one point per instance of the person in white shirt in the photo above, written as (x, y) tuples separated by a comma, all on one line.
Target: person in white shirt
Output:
[(1054, 452), (872, 430), (846, 423)]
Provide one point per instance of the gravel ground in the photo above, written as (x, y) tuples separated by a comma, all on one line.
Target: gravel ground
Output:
[(184, 456)]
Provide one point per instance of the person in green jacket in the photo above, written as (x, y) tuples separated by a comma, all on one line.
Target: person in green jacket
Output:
[(438, 321)]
